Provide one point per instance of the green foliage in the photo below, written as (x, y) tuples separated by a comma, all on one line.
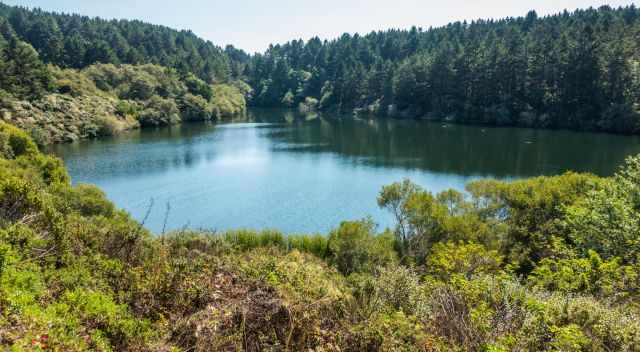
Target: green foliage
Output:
[(246, 240), (590, 275), (15, 143), (227, 101), (423, 219), (607, 220), (399, 289), (159, 111), (73, 82), (532, 211), (575, 70), (22, 73), (195, 108), (106, 99), (546, 72), (471, 259), (355, 248), (75, 42), (199, 87)]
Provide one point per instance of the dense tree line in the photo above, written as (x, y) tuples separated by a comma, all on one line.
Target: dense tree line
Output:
[(578, 70), (74, 41)]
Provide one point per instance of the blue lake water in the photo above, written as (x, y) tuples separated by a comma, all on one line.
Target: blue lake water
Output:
[(306, 174)]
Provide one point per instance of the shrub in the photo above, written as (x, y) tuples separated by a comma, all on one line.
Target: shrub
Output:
[(108, 126), (354, 247), (591, 275), (159, 111), (399, 288), (198, 87), (15, 142), (471, 259), (317, 244), (195, 108), (247, 239), (88, 200), (227, 101)]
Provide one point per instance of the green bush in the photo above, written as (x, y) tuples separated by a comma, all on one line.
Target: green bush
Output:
[(227, 101), (158, 112), (471, 259), (15, 142), (195, 108), (355, 248)]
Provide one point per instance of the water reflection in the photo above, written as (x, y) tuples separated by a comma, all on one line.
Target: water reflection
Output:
[(454, 149)]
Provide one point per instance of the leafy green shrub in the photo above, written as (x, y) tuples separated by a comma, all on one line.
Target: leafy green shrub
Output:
[(227, 101), (195, 108), (471, 259), (159, 111), (108, 126), (15, 142), (591, 275), (127, 108), (73, 82), (399, 288), (532, 211), (354, 247), (607, 220), (316, 245), (391, 332), (88, 200), (198, 87)]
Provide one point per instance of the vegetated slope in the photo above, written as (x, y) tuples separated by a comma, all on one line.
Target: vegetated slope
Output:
[(61, 105), (578, 70), (546, 264)]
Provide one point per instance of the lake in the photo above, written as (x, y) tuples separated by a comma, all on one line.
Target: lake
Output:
[(307, 173)]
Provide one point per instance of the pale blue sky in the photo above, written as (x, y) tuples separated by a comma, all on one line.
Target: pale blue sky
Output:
[(253, 24)]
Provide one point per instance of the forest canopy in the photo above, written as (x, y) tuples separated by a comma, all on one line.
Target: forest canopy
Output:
[(74, 41), (577, 70)]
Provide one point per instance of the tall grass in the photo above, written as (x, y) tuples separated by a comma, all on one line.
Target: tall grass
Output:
[(245, 240)]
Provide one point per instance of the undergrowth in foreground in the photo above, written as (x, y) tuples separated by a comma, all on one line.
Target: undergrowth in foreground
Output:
[(546, 264)]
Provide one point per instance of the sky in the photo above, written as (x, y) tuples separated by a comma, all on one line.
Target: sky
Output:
[(252, 25)]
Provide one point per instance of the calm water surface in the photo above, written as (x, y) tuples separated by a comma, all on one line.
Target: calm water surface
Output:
[(305, 174)]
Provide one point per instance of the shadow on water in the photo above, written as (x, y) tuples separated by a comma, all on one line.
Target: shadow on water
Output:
[(499, 152)]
